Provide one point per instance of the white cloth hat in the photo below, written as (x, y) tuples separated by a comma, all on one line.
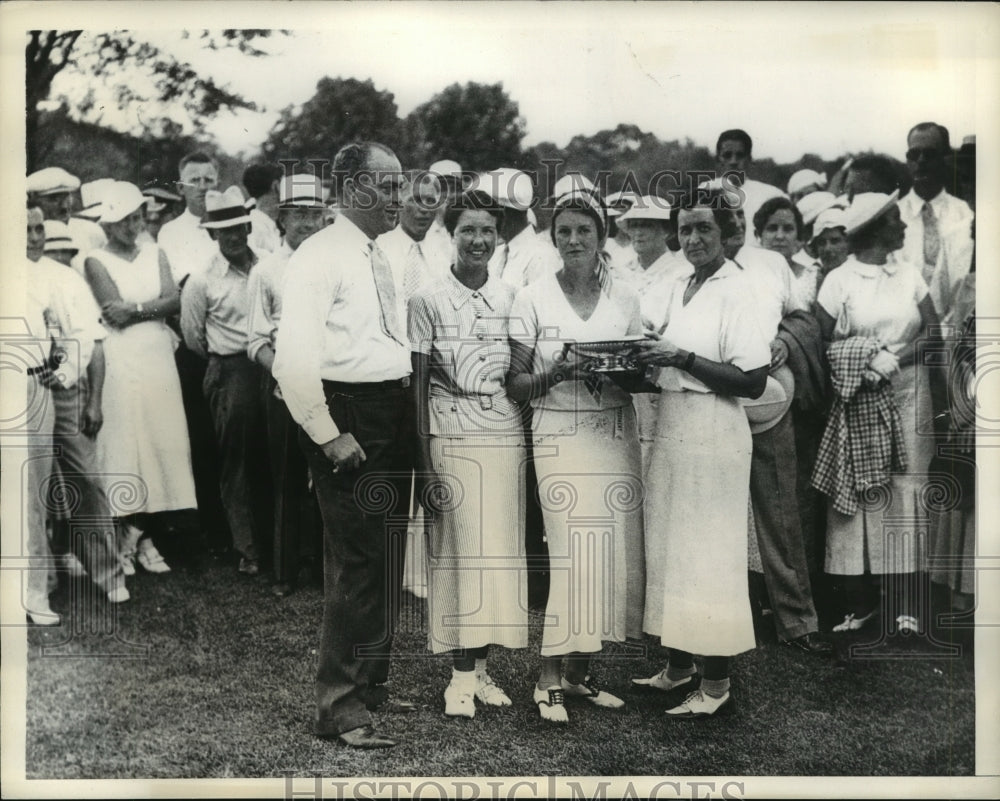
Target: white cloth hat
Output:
[(617, 199), (868, 207), (52, 181), (803, 178), (58, 237), (92, 195), (446, 167), (648, 207), (827, 220), (812, 204), (224, 209), (509, 187), (766, 412), (120, 200), (571, 182), (300, 190)]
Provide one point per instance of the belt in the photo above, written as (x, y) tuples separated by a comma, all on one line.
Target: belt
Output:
[(365, 387), (242, 353)]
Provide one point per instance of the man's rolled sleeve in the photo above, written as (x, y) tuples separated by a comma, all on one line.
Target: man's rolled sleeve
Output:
[(194, 312)]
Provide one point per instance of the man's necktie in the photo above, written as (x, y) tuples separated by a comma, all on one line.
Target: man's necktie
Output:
[(412, 277), (386, 289), (932, 239)]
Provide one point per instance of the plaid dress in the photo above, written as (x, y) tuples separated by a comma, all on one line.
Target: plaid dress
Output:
[(863, 442)]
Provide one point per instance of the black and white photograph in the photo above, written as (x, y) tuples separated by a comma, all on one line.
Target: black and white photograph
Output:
[(499, 400)]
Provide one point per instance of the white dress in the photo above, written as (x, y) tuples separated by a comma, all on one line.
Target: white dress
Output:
[(698, 483), (881, 302), (144, 432), (589, 474)]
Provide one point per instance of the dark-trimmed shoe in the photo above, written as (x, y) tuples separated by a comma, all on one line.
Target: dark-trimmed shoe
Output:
[(698, 705), (812, 643), (551, 704), (662, 684), (365, 737), (588, 692)]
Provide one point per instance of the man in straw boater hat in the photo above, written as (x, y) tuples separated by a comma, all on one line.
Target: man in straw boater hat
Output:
[(343, 365), (215, 310), (301, 213)]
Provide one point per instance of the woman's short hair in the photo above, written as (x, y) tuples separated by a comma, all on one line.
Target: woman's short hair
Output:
[(775, 204), (716, 201), (867, 236), (474, 200), (586, 202)]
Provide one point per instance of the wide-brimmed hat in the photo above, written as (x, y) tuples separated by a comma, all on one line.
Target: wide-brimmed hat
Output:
[(648, 207), (224, 209), (868, 207), (803, 178), (828, 220), (58, 237), (298, 190), (92, 197), (812, 204), (511, 188), (766, 411), (120, 200), (52, 181)]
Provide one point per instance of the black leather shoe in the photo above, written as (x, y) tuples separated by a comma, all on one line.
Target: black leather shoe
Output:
[(812, 643), (365, 737), (397, 706)]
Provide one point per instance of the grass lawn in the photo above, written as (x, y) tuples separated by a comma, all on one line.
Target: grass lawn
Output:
[(206, 675)]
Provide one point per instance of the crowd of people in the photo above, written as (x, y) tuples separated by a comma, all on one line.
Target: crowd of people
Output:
[(710, 401)]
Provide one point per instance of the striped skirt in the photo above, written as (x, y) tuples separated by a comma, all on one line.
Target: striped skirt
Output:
[(478, 588)]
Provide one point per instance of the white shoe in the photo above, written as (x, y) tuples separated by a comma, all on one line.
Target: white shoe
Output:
[(118, 595), (489, 693), (698, 705), (661, 682), (588, 692), (44, 617), (907, 624), (852, 622), (72, 565), (150, 559), (551, 704), (458, 702), (128, 563)]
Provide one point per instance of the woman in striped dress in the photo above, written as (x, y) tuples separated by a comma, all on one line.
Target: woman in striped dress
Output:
[(471, 459)]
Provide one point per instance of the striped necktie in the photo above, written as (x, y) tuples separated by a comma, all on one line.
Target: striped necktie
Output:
[(932, 238), (386, 290)]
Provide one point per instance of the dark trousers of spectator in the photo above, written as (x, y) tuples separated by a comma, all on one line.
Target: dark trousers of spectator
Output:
[(232, 387), (204, 449), (297, 540), (365, 516), (773, 477), (83, 491)]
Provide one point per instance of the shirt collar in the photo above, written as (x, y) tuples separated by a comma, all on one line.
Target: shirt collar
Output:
[(351, 232), (460, 294), (871, 270), (727, 270), (916, 203)]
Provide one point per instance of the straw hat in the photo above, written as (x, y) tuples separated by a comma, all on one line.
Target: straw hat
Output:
[(224, 209)]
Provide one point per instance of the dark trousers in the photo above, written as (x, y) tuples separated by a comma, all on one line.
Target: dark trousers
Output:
[(365, 515), (91, 527), (773, 477), (296, 516), (204, 450), (232, 387)]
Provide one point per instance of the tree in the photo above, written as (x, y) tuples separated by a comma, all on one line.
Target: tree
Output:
[(341, 111), (477, 125), (138, 72)]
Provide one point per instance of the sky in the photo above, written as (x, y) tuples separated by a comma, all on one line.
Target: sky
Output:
[(800, 77)]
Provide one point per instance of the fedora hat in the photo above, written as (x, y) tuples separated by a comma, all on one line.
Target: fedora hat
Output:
[(224, 209)]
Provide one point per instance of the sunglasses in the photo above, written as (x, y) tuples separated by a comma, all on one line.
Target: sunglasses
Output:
[(914, 153)]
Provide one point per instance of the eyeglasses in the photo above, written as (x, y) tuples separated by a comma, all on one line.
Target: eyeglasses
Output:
[(914, 153), (199, 182)]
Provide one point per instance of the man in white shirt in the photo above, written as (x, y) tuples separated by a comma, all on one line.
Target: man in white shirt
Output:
[(522, 258), (938, 238), (452, 180), (343, 365), (301, 213), (261, 183), (773, 470), (734, 154), (189, 249), (215, 310)]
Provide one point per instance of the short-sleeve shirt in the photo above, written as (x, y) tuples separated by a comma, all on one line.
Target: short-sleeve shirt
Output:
[(543, 320), (464, 334), (875, 300), (719, 323)]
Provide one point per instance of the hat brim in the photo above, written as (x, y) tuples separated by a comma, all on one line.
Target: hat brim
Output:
[(227, 223), (892, 201), (766, 411)]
